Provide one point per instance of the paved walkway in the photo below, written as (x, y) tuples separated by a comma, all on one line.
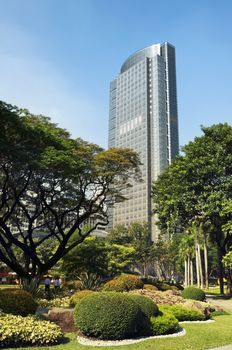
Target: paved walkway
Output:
[(225, 304), (226, 347)]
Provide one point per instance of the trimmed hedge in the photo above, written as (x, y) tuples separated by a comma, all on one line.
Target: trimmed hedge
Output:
[(193, 293), (17, 331), (182, 313), (17, 302), (164, 324), (76, 298), (109, 315), (123, 283), (147, 306)]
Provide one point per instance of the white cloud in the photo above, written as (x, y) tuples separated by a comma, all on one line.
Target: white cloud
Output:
[(31, 82)]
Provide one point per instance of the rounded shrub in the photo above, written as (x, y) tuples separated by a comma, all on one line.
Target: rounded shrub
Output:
[(18, 331), (17, 302), (193, 293), (182, 313), (76, 298), (162, 286), (147, 306), (150, 287), (124, 283), (165, 323), (72, 285), (108, 315)]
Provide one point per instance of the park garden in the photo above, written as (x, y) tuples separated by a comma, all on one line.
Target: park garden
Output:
[(55, 191)]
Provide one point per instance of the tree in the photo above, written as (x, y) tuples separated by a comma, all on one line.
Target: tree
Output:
[(99, 257), (137, 236), (197, 187), (50, 186)]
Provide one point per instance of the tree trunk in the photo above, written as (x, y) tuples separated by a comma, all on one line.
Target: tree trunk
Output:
[(200, 266), (220, 270), (197, 267), (191, 271), (229, 283), (206, 263), (31, 285), (186, 273)]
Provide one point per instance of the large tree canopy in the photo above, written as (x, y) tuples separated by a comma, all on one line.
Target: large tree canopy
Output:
[(50, 186), (197, 187)]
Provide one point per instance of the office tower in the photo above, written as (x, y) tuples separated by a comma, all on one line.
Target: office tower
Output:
[(143, 116)]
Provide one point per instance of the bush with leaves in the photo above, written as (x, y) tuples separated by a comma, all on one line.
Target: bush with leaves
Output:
[(147, 306), (109, 315), (182, 313), (56, 302), (150, 287), (165, 323), (124, 283), (90, 281), (71, 285), (17, 331), (76, 298), (193, 293), (17, 302)]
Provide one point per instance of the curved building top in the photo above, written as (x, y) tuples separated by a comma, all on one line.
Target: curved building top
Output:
[(149, 51)]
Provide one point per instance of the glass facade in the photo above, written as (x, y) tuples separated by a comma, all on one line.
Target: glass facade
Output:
[(143, 116)]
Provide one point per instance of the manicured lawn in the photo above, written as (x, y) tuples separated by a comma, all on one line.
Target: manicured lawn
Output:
[(198, 337), (213, 290)]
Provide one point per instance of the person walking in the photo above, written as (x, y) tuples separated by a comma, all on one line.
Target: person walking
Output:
[(47, 283)]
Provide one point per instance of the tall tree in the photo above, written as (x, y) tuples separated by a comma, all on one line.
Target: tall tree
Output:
[(198, 185), (50, 186)]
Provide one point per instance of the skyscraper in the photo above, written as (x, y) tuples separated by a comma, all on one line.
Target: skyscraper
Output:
[(143, 116)]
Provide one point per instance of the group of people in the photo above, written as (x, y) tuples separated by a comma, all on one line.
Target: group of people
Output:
[(48, 281)]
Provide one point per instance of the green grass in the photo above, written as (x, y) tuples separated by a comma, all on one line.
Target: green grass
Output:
[(213, 290), (198, 337)]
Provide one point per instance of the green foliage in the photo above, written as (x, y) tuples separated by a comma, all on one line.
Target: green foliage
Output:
[(90, 257), (164, 324), (56, 302), (227, 260), (108, 316), (72, 284), (76, 298), (89, 281), (182, 313), (147, 306), (99, 257), (165, 286), (123, 283), (17, 331), (53, 184), (193, 293), (150, 287), (17, 302), (196, 187), (137, 236)]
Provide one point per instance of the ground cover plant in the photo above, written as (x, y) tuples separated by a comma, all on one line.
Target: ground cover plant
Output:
[(20, 331), (182, 313)]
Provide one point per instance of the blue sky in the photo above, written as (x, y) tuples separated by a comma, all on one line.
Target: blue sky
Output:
[(57, 57)]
